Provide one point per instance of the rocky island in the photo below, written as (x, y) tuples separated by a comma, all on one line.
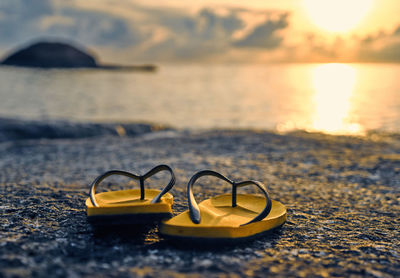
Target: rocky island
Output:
[(61, 55)]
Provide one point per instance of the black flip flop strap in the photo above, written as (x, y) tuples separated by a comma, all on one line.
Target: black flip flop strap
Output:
[(141, 180), (194, 210)]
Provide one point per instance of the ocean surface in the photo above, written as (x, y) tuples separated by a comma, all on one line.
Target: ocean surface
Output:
[(332, 98)]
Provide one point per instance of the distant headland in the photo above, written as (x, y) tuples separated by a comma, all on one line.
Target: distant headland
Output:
[(45, 54)]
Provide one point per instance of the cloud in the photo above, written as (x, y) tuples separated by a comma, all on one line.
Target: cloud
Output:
[(210, 34), (265, 34), (210, 26), (389, 53), (194, 36), (397, 31), (24, 20), (382, 47), (93, 28), (143, 32), (19, 19), (126, 31), (25, 9)]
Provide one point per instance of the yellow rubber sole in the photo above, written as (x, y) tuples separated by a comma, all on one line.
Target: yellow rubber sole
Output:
[(219, 220), (125, 207)]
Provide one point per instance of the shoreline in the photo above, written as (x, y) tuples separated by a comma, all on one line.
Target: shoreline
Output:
[(25, 129)]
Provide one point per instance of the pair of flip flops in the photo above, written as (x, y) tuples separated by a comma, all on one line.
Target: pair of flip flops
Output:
[(228, 216)]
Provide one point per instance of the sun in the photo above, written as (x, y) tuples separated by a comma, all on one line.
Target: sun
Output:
[(337, 15)]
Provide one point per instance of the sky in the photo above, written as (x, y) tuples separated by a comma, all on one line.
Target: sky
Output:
[(127, 31)]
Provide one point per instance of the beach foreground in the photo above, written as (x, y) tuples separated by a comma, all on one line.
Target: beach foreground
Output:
[(342, 195)]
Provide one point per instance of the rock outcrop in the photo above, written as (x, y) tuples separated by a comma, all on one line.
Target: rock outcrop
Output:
[(51, 55), (61, 55)]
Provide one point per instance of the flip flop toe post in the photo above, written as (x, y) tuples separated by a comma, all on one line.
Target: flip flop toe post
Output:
[(132, 206), (226, 217)]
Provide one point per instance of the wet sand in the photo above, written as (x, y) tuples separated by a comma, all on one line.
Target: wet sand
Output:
[(342, 195)]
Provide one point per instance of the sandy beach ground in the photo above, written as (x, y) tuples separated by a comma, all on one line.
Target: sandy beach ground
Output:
[(342, 195)]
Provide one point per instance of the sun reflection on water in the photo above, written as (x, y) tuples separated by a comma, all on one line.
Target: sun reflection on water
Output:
[(334, 86)]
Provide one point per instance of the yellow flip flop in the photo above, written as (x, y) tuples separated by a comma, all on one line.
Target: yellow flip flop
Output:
[(132, 206), (226, 217)]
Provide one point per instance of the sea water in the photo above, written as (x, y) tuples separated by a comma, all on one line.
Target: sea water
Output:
[(332, 98)]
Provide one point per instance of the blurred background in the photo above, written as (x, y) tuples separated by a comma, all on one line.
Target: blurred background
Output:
[(329, 66)]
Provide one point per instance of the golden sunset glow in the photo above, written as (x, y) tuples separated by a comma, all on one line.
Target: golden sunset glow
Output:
[(334, 87), (337, 15)]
